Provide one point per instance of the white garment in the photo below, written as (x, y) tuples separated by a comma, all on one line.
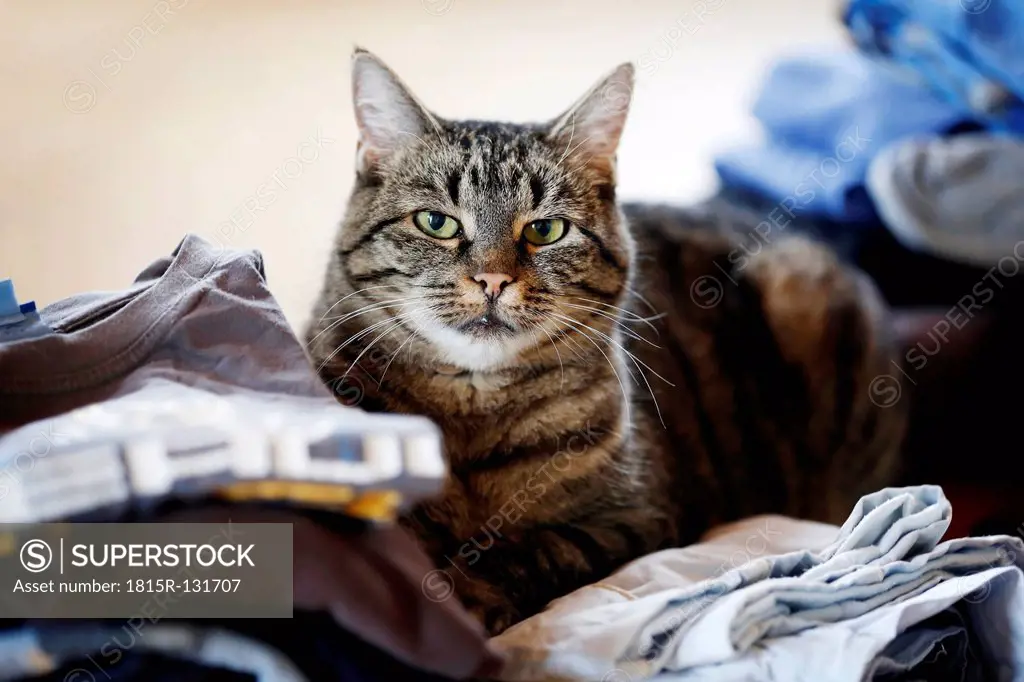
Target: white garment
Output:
[(776, 598)]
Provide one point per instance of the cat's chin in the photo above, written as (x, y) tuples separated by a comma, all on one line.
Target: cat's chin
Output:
[(478, 347)]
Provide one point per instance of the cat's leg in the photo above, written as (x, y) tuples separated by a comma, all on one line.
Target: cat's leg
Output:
[(784, 397), (831, 328), (515, 576)]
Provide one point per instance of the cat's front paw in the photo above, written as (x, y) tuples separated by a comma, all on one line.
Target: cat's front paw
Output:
[(496, 618), (489, 605)]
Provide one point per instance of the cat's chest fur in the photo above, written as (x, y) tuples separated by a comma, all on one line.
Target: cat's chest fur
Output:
[(517, 445)]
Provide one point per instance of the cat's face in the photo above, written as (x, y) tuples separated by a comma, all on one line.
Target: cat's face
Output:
[(486, 239)]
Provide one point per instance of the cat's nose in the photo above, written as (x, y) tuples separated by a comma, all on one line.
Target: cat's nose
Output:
[(493, 283)]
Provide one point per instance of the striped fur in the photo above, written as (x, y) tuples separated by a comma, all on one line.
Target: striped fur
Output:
[(618, 412)]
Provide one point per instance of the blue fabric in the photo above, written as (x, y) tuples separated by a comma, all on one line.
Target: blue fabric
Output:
[(972, 51), (826, 115), (90, 651), (920, 67), (8, 301)]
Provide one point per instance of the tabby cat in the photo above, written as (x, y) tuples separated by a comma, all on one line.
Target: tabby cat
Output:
[(610, 379)]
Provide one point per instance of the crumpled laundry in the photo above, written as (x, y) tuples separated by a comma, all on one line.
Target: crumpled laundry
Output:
[(778, 598)]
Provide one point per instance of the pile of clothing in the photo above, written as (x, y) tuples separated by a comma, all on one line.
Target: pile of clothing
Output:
[(775, 598), (917, 127), (186, 396)]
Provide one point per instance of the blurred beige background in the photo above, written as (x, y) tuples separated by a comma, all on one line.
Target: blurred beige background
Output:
[(128, 123)]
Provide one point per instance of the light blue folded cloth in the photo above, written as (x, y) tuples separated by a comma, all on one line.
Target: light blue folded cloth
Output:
[(840, 611), (920, 653), (887, 551)]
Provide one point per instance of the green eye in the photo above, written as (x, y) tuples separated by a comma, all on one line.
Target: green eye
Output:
[(546, 231), (437, 225)]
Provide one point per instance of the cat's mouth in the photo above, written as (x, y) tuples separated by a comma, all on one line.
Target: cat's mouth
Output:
[(488, 325), (482, 342)]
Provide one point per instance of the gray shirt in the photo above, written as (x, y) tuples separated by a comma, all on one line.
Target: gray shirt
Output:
[(190, 382)]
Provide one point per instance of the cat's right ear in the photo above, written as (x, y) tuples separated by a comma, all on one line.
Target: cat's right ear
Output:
[(591, 128), (388, 115)]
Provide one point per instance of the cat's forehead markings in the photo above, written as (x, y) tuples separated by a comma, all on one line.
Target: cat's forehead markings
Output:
[(454, 180), (538, 190), (469, 225)]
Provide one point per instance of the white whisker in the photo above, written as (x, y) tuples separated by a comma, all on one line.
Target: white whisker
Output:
[(617, 345), (561, 366), (625, 330), (583, 165), (345, 298), (371, 306), (636, 361), (357, 335), (370, 345), (628, 313), (583, 142), (628, 369), (572, 133), (412, 333), (380, 305), (622, 387), (360, 334), (650, 306)]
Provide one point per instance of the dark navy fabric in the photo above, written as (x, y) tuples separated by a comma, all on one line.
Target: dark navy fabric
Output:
[(147, 666), (313, 642), (904, 277)]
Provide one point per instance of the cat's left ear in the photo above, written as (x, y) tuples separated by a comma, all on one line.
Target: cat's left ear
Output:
[(388, 115), (591, 128)]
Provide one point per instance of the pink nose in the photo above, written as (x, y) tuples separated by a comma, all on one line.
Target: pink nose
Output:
[(493, 283)]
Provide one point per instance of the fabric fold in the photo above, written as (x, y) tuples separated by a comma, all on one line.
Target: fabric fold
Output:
[(885, 562)]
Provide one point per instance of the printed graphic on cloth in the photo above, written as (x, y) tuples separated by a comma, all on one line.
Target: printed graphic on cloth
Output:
[(190, 383), (173, 439)]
